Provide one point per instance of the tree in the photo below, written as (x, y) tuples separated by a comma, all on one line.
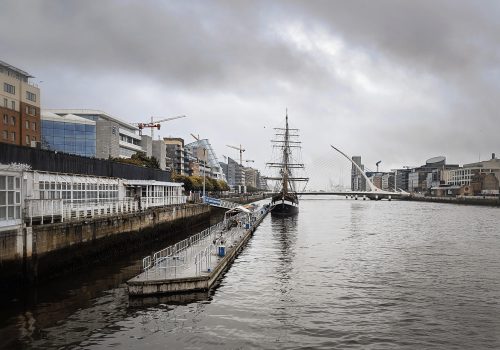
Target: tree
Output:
[(140, 159)]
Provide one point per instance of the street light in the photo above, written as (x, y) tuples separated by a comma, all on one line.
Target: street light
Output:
[(204, 171)]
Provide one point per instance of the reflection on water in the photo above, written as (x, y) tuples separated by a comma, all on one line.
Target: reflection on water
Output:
[(341, 274)]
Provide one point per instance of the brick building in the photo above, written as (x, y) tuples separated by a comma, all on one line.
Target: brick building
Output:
[(19, 107)]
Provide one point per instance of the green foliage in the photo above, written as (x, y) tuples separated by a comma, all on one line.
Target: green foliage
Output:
[(195, 183), (140, 159)]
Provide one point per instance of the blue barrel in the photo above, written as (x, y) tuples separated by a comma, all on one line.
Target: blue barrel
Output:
[(222, 250)]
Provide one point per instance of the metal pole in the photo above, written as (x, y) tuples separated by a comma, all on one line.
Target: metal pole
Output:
[(204, 170)]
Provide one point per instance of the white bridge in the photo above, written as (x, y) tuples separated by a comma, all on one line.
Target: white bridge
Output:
[(374, 192)]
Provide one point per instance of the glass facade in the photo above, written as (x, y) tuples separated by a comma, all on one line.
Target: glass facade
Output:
[(74, 138)]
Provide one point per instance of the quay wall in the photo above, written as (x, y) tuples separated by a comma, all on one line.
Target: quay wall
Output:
[(45, 251), (486, 201)]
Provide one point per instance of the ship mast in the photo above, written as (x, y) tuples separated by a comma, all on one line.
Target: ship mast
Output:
[(286, 144), (285, 157)]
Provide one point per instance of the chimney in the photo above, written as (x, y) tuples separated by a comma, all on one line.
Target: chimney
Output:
[(493, 156)]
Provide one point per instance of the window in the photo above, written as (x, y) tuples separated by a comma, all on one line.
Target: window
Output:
[(5, 119), (30, 96), (33, 138), (33, 126), (13, 120), (27, 139), (5, 135), (13, 104), (10, 197), (5, 102), (13, 136), (11, 89), (27, 124), (30, 110)]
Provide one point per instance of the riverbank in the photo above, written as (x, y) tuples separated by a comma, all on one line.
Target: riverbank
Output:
[(51, 250), (469, 200)]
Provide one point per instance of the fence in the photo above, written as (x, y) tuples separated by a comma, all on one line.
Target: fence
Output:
[(53, 210), (45, 160), (187, 251)]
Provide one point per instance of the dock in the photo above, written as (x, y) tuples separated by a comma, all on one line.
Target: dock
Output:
[(196, 263)]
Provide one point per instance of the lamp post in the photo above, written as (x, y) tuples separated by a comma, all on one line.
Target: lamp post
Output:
[(204, 171)]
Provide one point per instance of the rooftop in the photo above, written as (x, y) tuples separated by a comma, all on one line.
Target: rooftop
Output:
[(15, 69)]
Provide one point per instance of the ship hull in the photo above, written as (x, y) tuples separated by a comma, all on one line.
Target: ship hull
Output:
[(284, 209)]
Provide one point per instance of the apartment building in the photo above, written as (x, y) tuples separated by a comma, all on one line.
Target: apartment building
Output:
[(19, 107)]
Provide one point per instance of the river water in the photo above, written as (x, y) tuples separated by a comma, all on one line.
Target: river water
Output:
[(343, 274)]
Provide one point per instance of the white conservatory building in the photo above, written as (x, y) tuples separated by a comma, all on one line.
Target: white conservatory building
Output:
[(37, 197)]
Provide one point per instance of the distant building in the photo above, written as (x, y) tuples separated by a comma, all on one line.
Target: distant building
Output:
[(202, 150), (19, 107), (401, 178), (388, 182), (432, 174), (69, 133), (358, 181), (463, 176), (252, 177), (175, 151), (235, 174), (116, 138)]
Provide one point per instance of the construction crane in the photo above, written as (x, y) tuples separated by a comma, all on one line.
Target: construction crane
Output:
[(156, 124), (196, 137), (241, 149)]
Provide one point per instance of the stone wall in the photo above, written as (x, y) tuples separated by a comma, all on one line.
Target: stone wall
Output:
[(55, 249)]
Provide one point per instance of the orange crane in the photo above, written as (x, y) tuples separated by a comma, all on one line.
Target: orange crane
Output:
[(241, 149), (156, 124)]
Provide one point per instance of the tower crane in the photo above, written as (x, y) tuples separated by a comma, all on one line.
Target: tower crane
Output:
[(156, 124), (241, 149), (196, 137)]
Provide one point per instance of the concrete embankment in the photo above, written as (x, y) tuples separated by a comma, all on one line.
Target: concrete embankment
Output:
[(44, 251), (486, 201)]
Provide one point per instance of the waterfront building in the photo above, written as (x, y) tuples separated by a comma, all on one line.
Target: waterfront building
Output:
[(401, 178), (387, 182), (235, 175), (68, 133), (358, 182), (463, 176), (19, 107), (175, 151), (37, 197), (116, 138), (251, 177), (202, 150)]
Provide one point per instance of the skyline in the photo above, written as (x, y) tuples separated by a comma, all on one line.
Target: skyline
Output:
[(390, 81)]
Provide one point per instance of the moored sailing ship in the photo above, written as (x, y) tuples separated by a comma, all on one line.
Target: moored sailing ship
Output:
[(286, 201)]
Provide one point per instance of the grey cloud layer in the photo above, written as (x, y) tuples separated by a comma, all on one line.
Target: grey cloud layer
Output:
[(412, 79)]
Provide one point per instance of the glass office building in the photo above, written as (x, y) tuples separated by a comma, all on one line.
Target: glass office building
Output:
[(69, 134)]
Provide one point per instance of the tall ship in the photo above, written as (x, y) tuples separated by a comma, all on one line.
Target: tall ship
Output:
[(288, 162)]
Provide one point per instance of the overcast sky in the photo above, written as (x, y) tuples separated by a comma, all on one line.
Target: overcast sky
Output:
[(396, 81)]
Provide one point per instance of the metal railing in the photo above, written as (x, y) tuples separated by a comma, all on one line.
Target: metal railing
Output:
[(199, 248), (63, 209), (183, 245), (219, 203)]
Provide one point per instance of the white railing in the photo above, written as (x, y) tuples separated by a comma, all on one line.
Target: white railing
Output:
[(183, 245), (62, 209), (199, 248)]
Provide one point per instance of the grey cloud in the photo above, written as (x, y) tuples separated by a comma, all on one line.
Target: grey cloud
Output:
[(227, 63)]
